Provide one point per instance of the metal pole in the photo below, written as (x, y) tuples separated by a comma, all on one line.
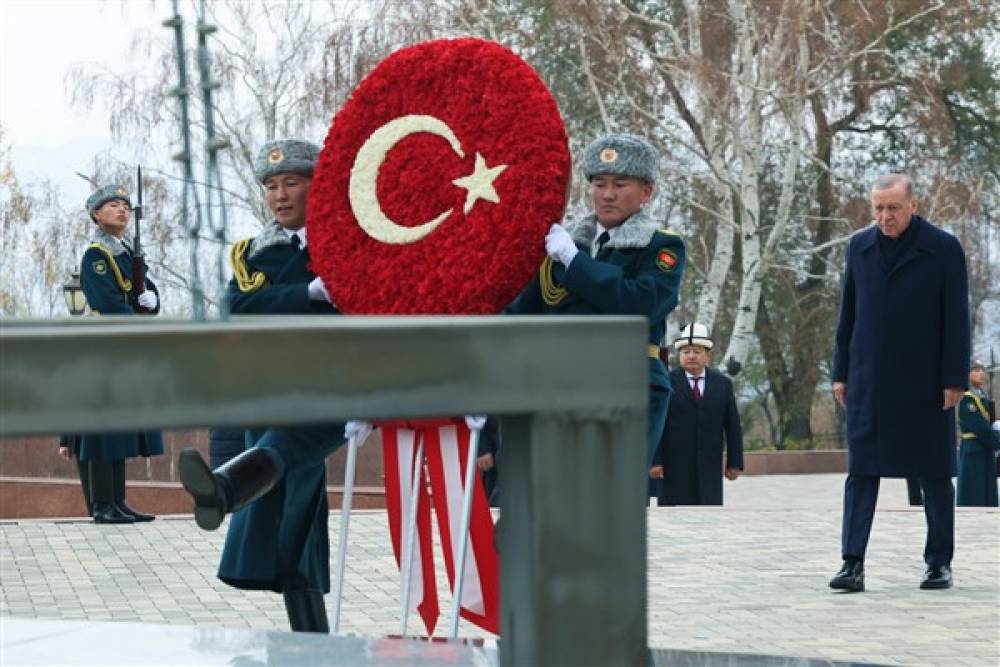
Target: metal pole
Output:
[(463, 542), (213, 175), (345, 520), (188, 191), (411, 531)]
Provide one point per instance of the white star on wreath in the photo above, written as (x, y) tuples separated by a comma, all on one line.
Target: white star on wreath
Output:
[(480, 183)]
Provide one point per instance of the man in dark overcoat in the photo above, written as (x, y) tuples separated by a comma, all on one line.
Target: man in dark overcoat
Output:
[(900, 366), (704, 422)]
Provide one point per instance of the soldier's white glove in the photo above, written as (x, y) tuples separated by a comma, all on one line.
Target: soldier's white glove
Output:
[(996, 425), (148, 300), (475, 422), (559, 245), (358, 429), (317, 291)]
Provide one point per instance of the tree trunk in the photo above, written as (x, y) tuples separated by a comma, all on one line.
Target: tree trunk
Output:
[(722, 258)]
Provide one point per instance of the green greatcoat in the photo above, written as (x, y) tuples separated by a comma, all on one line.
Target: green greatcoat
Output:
[(106, 279), (977, 472), (280, 542)]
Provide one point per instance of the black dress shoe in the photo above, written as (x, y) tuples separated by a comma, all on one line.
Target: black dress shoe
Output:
[(109, 513), (936, 577), (135, 514), (851, 577)]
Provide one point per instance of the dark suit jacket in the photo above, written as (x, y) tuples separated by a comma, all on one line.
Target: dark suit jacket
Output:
[(691, 448)]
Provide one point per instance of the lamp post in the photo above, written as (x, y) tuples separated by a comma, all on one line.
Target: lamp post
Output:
[(76, 301)]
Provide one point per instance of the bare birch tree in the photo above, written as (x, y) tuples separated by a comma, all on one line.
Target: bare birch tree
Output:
[(750, 103)]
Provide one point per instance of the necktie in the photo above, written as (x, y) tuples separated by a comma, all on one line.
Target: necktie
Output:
[(695, 390), (601, 240), (296, 242)]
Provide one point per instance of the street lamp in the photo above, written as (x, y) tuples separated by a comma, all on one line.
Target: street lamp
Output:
[(76, 301)]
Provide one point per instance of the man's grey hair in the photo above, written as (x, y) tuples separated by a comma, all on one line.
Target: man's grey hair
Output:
[(892, 180)]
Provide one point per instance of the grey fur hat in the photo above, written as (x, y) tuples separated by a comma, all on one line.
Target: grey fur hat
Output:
[(621, 155), (285, 155), (102, 196)]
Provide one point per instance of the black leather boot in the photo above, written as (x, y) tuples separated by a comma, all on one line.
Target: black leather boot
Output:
[(306, 611), (851, 577), (118, 470), (102, 493), (230, 487)]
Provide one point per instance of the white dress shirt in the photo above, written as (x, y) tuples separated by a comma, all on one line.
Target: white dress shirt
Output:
[(600, 230), (301, 233)]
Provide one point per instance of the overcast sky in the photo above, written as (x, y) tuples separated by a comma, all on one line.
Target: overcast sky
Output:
[(40, 41)]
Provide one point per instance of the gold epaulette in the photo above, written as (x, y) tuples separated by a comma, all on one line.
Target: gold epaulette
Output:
[(668, 232), (552, 294), (246, 280), (123, 283)]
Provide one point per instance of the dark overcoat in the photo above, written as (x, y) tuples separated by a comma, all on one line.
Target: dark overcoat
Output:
[(695, 436), (280, 542), (106, 279), (903, 337)]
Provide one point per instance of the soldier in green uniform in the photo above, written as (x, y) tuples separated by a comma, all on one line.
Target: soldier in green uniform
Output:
[(106, 278), (616, 260), (278, 537), (977, 474)]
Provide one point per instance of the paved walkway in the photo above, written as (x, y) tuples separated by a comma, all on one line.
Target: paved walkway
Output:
[(750, 578)]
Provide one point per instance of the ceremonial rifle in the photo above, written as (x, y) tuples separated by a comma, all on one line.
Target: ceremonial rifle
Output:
[(138, 259)]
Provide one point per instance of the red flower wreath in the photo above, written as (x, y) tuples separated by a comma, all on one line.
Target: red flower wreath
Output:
[(437, 183)]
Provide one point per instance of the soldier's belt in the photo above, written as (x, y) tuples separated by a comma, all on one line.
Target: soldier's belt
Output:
[(653, 351)]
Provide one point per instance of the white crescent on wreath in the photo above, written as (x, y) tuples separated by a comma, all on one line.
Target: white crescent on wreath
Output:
[(364, 178)]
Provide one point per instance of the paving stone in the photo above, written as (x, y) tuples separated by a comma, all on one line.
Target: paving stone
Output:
[(750, 577)]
